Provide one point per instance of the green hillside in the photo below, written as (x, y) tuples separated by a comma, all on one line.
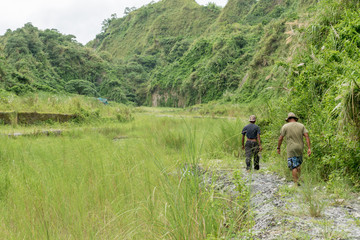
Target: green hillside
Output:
[(199, 53), (155, 26), (34, 60), (169, 53)]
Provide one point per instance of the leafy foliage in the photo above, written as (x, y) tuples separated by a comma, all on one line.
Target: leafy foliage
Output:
[(81, 87), (35, 60), (322, 88)]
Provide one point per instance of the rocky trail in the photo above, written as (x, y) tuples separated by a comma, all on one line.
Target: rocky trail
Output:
[(282, 211)]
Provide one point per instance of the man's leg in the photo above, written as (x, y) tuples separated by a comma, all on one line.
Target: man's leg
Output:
[(298, 174), (295, 174), (299, 171), (248, 153), (256, 157), (298, 163)]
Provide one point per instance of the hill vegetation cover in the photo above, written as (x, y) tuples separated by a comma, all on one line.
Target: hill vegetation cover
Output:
[(200, 53), (33, 60), (169, 53)]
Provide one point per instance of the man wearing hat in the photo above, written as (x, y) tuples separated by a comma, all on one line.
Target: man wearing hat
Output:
[(294, 133), (253, 143)]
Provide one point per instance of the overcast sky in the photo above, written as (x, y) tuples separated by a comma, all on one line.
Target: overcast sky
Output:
[(81, 18)]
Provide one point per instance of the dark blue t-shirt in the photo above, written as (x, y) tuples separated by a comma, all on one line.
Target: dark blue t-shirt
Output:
[(251, 130)]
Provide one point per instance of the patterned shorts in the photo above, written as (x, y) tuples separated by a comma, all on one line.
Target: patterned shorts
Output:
[(294, 162)]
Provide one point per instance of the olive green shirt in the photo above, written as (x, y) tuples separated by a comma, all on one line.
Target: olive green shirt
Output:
[(294, 134)]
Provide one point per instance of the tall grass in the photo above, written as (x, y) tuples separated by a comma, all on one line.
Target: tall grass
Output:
[(226, 140), (62, 103), (88, 112), (85, 185)]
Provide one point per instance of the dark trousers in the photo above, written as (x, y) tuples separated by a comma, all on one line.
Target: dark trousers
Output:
[(252, 149)]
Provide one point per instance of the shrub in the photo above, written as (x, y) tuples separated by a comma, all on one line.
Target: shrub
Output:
[(124, 114)]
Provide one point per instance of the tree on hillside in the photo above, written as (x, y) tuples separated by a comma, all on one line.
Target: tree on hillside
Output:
[(129, 10), (106, 23), (213, 7), (81, 87)]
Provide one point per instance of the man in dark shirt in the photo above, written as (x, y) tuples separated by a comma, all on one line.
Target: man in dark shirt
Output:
[(253, 143)]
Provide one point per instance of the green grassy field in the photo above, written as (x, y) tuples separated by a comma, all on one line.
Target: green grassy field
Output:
[(110, 180), (137, 173)]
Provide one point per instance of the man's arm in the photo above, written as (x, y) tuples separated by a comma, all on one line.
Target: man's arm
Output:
[(243, 141), (259, 142), (308, 143), (279, 143)]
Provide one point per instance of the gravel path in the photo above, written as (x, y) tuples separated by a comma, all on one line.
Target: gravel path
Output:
[(281, 211)]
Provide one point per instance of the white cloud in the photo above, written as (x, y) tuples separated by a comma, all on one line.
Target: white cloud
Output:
[(81, 18)]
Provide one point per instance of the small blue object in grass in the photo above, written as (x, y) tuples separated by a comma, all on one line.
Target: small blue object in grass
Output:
[(103, 100)]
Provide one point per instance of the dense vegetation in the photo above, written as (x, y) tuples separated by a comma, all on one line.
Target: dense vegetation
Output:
[(323, 83), (33, 60), (202, 52)]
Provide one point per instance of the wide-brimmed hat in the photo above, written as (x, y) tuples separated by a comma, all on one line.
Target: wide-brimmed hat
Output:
[(291, 115), (252, 118)]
